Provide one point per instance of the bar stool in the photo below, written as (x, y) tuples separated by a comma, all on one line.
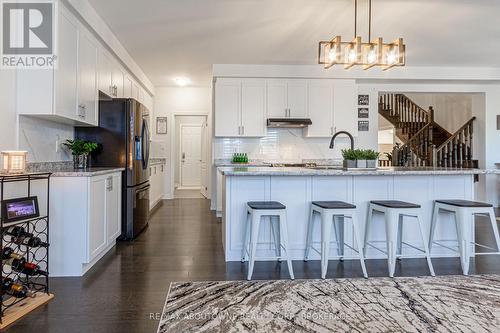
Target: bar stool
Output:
[(333, 212), (464, 210), (394, 212), (277, 213)]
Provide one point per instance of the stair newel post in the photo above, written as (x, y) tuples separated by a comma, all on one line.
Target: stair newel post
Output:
[(460, 150), (434, 161), (470, 127), (431, 114)]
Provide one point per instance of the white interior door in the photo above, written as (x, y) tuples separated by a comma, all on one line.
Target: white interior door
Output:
[(191, 155)]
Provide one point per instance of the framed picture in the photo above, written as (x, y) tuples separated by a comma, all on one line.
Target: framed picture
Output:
[(363, 126), (362, 112), (363, 99), (20, 209), (161, 125)]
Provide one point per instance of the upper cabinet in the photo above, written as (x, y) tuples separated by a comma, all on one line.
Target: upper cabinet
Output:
[(242, 105), (111, 76), (240, 108), (286, 98), (87, 73), (332, 108)]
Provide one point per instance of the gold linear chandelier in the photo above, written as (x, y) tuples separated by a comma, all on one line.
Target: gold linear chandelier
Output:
[(356, 52)]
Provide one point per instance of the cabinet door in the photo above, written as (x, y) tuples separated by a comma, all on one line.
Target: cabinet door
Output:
[(97, 215), (117, 78), (113, 208), (297, 98), (277, 99), (320, 108), (105, 73), (135, 91), (127, 87), (67, 70), (253, 107), (87, 69), (345, 116), (227, 107)]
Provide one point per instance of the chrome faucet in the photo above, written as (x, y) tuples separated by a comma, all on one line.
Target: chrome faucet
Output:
[(342, 132)]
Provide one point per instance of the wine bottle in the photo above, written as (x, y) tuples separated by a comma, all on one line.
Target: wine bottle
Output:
[(29, 241), (8, 255), (18, 231), (17, 290), (29, 268)]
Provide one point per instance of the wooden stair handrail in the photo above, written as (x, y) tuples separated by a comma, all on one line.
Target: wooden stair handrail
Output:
[(456, 133), (457, 150)]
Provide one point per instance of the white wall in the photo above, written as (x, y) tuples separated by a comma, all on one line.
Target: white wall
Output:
[(8, 115), (170, 101), (450, 110)]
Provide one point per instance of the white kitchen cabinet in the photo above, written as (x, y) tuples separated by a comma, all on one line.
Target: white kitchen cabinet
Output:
[(68, 93), (277, 104), (127, 87), (87, 83), (345, 113), (113, 208), (67, 68), (240, 107), (286, 98), (320, 109), (106, 73), (157, 179), (227, 107), (117, 78), (97, 222), (84, 223)]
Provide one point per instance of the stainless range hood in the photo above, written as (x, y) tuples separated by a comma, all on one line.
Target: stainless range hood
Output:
[(288, 122)]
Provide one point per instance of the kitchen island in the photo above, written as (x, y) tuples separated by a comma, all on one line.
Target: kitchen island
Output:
[(297, 187)]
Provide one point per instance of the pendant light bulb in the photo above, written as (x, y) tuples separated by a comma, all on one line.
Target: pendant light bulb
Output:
[(372, 56), (352, 55), (391, 57), (332, 54)]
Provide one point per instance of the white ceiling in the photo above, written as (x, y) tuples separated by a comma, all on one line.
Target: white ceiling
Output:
[(170, 38)]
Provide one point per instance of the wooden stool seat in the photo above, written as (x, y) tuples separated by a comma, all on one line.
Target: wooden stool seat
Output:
[(333, 205), (394, 204), (464, 203), (266, 205)]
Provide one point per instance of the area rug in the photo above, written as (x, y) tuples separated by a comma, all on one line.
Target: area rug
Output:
[(416, 304)]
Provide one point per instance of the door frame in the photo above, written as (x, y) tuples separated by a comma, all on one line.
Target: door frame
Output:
[(179, 158), (173, 148)]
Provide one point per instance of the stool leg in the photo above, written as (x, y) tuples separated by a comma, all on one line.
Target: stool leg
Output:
[(284, 240), (310, 229), (326, 229), (246, 237), (435, 215), (367, 228), (338, 227), (391, 230), (357, 240), (274, 220), (254, 235), (464, 238), (494, 227), (425, 242), (400, 236)]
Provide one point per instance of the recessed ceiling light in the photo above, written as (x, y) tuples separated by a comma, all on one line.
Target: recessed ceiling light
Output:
[(182, 81)]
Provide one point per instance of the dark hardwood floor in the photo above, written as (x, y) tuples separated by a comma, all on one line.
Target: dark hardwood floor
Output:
[(125, 292)]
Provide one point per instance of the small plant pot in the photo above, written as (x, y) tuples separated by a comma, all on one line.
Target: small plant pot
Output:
[(349, 164), (361, 164), (81, 161), (371, 164)]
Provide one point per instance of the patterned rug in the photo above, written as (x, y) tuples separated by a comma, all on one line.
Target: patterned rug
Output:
[(421, 304)]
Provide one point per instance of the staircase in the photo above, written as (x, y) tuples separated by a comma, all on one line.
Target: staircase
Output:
[(425, 142)]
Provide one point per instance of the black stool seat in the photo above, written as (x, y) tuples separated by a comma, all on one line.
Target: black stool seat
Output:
[(265, 205), (395, 204), (465, 203), (333, 205)]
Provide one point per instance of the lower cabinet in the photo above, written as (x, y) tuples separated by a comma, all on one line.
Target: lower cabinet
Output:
[(157, 180), (85, 221)]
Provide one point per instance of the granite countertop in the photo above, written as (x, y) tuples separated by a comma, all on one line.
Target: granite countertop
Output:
[(268, 171), (89, 172)]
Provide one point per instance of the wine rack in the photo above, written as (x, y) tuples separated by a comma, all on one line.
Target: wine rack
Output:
[(13, 308)]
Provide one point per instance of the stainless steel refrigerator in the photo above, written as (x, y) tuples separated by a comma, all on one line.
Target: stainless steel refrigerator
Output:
[(124, 138)]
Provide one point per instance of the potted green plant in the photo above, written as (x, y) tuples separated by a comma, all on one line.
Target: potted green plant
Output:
[(360, 158), (371, 158), (80, 149), (350, 157)]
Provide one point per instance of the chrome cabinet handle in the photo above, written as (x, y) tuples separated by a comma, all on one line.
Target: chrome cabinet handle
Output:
[(109, 184)]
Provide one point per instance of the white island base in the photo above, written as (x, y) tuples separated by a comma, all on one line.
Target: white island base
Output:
[(298, 191)]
